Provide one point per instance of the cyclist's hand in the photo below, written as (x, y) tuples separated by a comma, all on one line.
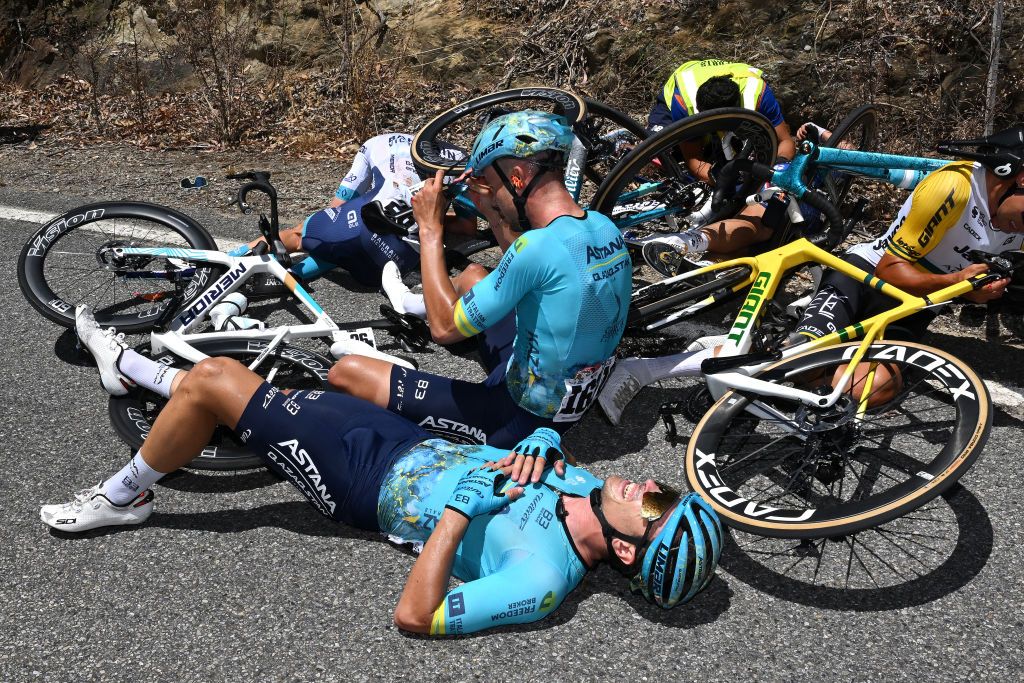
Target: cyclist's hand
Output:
[(992, 290), (482, 491), (531, 455), (429, 206)]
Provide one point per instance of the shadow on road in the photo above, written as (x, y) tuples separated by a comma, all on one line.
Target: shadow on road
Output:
[(913, 560)]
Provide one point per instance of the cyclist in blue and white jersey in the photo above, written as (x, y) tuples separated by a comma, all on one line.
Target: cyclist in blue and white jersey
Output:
[(377, 187), (566, 278), (519, 549)]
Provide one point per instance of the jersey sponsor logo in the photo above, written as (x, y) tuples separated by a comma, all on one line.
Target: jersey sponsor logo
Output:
[(212, 295), (525, 518), (297, 464), (548, 601), (971, 232), (518, 245), (610, 249), (456, 605), (42, 242), (398, 140), (332, 214), (751, 306), (947, 205), (458, 432), (353, 220), (503, 267), (544, 518), (572, 175), (610, 272), (517, 608)]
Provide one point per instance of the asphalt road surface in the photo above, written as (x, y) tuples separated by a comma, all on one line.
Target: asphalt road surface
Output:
[(236, 578)]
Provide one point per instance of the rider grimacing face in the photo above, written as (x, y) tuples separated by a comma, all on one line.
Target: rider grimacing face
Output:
[(622, 503)]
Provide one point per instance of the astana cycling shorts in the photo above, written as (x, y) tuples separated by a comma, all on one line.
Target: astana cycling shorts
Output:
[(336, 449)]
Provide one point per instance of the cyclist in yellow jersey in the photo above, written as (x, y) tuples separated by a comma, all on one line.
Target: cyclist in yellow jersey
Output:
[(702, 85), (962, 206)]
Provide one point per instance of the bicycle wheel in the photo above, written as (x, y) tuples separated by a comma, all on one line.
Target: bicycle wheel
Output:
[(289, 367), (70, 261), (461, 124), (651, 190), (858, 131), (609, 135), (791, 471)]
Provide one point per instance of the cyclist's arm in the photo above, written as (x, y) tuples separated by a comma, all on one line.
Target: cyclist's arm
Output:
[(699, 168), (787, 146), (524, 590), (356, 180), (936, 206), (428, 581)]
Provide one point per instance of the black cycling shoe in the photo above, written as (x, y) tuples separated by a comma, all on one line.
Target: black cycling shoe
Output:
[(664, 258)]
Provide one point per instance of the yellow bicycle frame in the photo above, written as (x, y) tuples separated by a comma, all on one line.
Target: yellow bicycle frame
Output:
[(766, 271)]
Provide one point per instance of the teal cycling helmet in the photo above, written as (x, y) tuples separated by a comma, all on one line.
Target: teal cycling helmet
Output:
[(521, 135), (680, 561)]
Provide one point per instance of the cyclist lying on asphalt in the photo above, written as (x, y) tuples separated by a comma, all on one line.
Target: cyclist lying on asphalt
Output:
[(519, 548), (568, 283), (963, 206)]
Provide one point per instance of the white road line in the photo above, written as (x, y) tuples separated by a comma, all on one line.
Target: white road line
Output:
[(14, 213)]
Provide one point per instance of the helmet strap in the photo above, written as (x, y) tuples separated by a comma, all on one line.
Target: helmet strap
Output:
[(1012, 190), (519, 198), (609, 532)]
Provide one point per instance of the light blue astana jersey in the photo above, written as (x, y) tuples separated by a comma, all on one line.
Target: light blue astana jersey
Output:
[(569, 284), (517, 564)]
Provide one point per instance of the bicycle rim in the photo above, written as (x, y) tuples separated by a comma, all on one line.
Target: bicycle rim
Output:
[(858, 131), (653, 180), (785, 477), (70, 261), (290, 367)]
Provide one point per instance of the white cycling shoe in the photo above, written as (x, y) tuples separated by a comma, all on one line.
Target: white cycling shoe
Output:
[(618, 391), (106, 347), (91, 509)]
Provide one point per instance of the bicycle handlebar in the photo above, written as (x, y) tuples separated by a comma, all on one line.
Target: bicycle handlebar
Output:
[(259, 181)]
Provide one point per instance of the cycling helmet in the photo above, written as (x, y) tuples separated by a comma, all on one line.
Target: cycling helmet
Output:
[(1002, 153), (521, 135), (681, 559)]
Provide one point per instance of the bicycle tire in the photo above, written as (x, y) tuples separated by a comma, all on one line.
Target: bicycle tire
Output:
[(734, 459), (604, 156), (426, 154), (859, 130), (743, 123), (132, 415), (71, 251)]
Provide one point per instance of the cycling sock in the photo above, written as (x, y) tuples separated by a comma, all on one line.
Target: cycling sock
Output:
[(134, 477), (401, 298), (147, 373), (685, 364), (689, 241), (414, 304)]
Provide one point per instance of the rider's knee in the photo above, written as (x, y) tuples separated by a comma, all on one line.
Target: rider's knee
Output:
[(473, 274), (209, 372), (344, 374)]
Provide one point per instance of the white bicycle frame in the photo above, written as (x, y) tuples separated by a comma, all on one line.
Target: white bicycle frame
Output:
[(180, 334)]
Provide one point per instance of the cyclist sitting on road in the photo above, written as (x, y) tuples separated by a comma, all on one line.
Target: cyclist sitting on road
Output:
[(568, 282), (960, 207), (520, 548), (702, 85), (377, 187)]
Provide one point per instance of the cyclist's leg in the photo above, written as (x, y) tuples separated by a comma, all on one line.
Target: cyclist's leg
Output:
[(734, 234)]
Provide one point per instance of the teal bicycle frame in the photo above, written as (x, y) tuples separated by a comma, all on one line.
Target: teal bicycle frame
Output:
[(811, 160)]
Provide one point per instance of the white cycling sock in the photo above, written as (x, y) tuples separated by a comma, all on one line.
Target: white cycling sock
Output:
[(689, 241), (401, 298), (685, 364), (147, 373), (414, 304), (133, 478)]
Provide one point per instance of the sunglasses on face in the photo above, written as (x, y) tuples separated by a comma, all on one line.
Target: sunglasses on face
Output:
[(653, 506)]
